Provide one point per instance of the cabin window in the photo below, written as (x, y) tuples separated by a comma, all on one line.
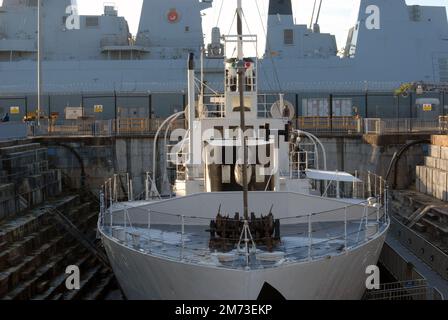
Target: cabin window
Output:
[(288, 37), (92, 22), (187, 29), (32, 3)]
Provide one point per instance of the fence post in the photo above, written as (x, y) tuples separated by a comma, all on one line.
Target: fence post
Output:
[(182, 237), (149, 228), (110, 192), (386, 203), (380, 197), (376, 189), (125, 211), (115, 188), (366, 211), (310, 236), (128, 186), (111, 218), (378, 214), (345, 230), (102, 207)]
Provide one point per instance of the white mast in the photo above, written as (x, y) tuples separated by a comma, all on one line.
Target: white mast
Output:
[(241, 86), (239, 12)]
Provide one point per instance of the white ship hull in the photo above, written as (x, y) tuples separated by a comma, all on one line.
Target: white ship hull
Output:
[(146, 277)]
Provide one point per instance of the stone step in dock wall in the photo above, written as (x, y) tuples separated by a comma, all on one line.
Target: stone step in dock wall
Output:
[(432, 177), (36, 252), (35, 249), (25, 177)]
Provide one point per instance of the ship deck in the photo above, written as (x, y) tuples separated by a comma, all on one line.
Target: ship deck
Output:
[(296, 245)]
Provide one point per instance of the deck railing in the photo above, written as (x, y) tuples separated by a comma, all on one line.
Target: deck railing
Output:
[(307, 236), (303, 238)]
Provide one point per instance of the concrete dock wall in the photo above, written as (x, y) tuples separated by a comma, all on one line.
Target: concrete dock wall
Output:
[(102, 157)]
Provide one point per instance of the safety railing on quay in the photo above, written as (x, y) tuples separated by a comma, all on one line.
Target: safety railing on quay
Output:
[(345, 126), (405, 290), (331, 125), (97, 128), (380, 126)]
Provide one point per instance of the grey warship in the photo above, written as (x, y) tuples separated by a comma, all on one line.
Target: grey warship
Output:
[(390, 44)]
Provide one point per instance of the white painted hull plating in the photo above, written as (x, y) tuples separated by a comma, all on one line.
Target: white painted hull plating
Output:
[(145, 277)]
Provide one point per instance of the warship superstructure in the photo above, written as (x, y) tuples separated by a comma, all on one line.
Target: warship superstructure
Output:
[(391, 43)]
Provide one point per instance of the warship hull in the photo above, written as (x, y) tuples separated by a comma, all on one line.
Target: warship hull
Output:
[(143, 276)]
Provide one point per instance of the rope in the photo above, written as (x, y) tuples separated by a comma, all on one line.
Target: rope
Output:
[(220, 11), (268, 46)]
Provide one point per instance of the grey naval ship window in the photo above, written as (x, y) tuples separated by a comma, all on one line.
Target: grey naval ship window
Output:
[(32, 3), (92, 22), (288, 37)]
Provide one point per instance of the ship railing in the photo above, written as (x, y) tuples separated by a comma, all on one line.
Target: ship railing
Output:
[(213, 106), (299, 162), (369, 185), (266, 102), (305, 237)]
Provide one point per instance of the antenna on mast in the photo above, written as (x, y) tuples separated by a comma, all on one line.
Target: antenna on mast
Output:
[(312, 15), (316, 27)]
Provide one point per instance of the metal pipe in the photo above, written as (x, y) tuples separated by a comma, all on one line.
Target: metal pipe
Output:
[(313, 138), (154, 151)]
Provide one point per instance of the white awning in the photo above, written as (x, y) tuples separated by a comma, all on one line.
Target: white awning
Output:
[(331, 176), (237, 143)]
